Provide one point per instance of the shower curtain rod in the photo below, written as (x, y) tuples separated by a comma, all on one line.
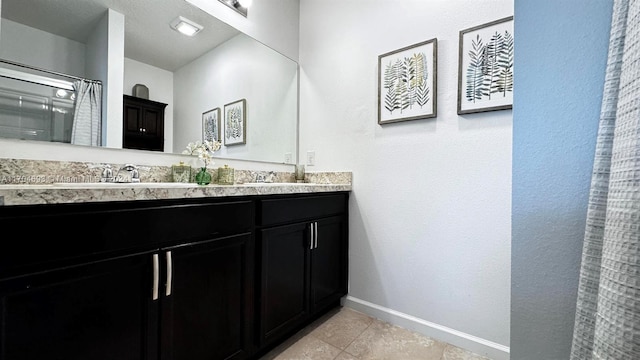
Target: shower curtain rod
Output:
[(48, 71), (36, 79)]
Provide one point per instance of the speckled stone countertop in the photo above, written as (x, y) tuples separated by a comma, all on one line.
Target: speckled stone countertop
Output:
[(29, 182), (74, 193)]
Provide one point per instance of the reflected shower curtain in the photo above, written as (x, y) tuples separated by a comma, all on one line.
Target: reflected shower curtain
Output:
[(607, 323), (87, 124)]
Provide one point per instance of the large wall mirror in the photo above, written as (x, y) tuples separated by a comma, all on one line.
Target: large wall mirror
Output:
[(198, 77)]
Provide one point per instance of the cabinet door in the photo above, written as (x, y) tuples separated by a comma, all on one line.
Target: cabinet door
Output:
[(328, 263), (132, 119), (152, 122), (284, 283), (102, 310), (143, 126), (206, 303)]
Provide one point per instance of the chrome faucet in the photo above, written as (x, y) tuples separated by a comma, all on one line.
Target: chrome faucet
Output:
[(107, 174), (131, 174), (271, 177), (265, 178)]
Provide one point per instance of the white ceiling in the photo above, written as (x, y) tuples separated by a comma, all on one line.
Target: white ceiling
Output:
[(148, 36)]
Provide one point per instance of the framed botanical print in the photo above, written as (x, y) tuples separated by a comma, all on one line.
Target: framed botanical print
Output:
[(407, 83), (235, 123), (485, 67), (211, 125)]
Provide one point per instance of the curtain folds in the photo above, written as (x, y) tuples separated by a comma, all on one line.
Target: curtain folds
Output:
[(87, 124), (607, 322)]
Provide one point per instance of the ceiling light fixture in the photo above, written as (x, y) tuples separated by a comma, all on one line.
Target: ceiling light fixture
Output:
[(185, 26), (240, 6)]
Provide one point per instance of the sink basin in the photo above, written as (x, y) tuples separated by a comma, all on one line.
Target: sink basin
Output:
[(103, 185)]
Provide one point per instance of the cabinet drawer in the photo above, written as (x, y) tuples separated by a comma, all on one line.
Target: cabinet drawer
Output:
[(51, 236), (197, 222), (285, 210)]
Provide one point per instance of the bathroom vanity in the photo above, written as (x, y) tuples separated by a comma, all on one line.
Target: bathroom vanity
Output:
[(228, 275)]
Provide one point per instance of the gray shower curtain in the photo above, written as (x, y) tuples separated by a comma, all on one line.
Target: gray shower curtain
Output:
[(607, 322), (87, 124)]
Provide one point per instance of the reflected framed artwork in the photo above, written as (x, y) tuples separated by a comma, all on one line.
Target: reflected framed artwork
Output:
[(485, 67), (407, 81), (235, 123), (211, 125)]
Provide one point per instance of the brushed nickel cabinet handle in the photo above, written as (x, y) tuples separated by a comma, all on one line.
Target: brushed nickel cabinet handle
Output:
[(315, 224), (156, 276), (311, 236), (169, 273)]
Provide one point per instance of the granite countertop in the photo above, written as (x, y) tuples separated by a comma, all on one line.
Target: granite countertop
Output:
[(27, 194), (33, 182)]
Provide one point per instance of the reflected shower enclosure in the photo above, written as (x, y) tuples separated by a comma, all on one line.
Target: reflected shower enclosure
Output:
[(35, 106)]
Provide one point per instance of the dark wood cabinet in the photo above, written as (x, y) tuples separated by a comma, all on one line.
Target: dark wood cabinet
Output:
[(207, 307), (328, 263), (143, 124), (284, 282), (101, 310), (303, 253), (197, 279), (152, 280)]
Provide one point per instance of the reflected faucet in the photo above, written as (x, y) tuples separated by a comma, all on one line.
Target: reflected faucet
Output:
[(131, 174), (107, 174)]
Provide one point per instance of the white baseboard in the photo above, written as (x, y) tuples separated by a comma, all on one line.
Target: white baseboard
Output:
[(454, 337)]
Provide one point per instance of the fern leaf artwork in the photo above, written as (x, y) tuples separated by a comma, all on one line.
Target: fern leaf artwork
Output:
[(235, 123), (405, 83), (391, 100), (494, 48), (210, 125), (475, 70), (390, 75), (486, 67), (505, 65), (233, 126), (423, 94)]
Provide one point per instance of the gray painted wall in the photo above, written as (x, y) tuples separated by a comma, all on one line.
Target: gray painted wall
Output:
[(430, 211), (561, 50)]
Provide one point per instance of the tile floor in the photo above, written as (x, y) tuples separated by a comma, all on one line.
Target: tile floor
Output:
[(346, 334)]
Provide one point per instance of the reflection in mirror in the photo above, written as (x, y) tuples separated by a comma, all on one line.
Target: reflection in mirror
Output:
[(99, 39), (36, 107), (241, 7)]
